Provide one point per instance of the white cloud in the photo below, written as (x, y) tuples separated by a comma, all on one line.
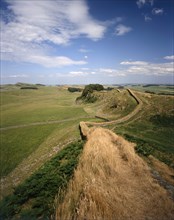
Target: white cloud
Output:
[(25, 37), (84, 68), (147, 68), (141, 3), (157, 11), (128, 68), (86, 57), (85, 72), (107, 70), (82, 50), (78, 73), (58, 61), (147, 18), (16, 76), (133, 63), (122, 30), (169, 57), (111, 72)]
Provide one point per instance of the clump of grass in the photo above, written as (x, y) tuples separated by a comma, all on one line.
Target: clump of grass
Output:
[(34, 198)]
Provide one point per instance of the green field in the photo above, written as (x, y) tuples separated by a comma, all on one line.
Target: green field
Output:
[(24, 107), (156, 89), (45, 104)]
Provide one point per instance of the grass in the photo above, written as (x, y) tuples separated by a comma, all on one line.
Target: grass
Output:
[(152, 128), (20, 107), (23, 150), (158, 89), (112, 104), (46, 104), (34, 198), (18, 144), (112, 182)]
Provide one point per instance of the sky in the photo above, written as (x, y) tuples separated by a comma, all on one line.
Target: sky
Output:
[(56, 42)]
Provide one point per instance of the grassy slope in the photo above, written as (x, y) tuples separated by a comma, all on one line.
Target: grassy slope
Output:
[(17, 144), (26, 106), (112, 104), (34, 198), (45, 104), (143, 129), (112, 182)]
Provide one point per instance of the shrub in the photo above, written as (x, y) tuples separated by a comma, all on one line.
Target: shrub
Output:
[(29, 87), (87, 92), (73, 89)]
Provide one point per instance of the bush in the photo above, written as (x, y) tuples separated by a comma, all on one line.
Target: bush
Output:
[(29, 87), (87, 92), (73, 89), (109, 88)]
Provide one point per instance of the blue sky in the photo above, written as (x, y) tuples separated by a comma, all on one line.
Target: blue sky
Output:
[(87, 41)]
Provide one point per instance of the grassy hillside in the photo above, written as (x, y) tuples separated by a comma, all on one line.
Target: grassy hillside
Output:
[(112, 182), (32, 127), (37, 124), (152, 129), (45, 104), (34, 198), (112, 104)]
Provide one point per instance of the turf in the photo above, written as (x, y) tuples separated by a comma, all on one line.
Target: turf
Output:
[(17, 144)]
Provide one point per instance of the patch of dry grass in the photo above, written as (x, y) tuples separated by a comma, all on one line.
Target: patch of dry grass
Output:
[(112, 182)]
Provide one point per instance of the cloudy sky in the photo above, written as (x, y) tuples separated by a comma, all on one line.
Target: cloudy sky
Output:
[(87, 41)]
